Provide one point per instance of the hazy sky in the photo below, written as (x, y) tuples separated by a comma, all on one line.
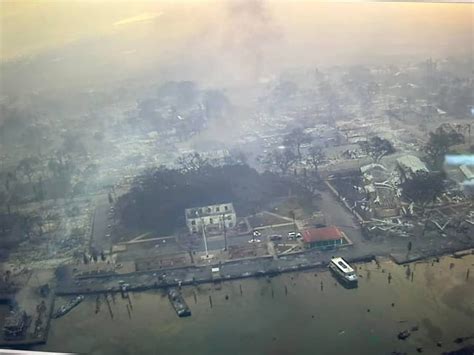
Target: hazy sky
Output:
[(224, 40)]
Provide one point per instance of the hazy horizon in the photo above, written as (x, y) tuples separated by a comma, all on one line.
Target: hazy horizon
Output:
[(81, 43)]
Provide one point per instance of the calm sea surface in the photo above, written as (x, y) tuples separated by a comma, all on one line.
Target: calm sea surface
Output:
[(265, 319)]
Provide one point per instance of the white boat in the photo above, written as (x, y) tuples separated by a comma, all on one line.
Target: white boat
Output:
[(343, 270), (61, 311)]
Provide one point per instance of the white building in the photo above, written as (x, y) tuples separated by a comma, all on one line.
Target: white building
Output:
[(212, 217)]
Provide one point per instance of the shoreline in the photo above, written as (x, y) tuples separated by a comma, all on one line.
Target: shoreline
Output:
[(66, 290), (320, 265)]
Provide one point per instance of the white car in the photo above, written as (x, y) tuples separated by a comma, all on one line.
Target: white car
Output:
[(293, 235), (256, 234)]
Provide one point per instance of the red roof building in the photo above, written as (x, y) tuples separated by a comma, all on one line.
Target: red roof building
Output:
[(323, 238)]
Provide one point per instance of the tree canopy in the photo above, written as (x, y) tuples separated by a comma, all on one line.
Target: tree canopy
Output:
[(423, 188), (157, 199)]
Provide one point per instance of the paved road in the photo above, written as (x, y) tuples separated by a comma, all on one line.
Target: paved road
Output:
[(237, 269), (100, 240)]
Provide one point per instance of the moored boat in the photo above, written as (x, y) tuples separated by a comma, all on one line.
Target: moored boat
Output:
[(343, 271), (178, 303), (61, 311)]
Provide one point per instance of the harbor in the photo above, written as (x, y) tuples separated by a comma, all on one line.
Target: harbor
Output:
[(182, 291), (26, 324), (291, 312), (231, 270), (178, 303), (64, 309)]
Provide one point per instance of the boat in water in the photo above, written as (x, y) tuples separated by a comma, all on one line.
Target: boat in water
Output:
[(61, 311), (178, 303), (343, 271)]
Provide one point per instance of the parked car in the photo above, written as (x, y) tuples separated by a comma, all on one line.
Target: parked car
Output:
[(293, 235), (276, 237)]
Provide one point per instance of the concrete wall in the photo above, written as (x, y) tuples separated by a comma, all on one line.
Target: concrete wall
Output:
[(322, 245)]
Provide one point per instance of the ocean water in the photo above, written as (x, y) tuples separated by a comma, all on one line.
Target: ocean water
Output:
[(287, 314)]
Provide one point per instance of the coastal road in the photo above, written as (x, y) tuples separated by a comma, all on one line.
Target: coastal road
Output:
[(100, 240)]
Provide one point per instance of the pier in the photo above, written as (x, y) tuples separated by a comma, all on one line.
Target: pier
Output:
[(37, 323)]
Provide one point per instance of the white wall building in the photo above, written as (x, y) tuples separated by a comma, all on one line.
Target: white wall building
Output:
[(212, 217)]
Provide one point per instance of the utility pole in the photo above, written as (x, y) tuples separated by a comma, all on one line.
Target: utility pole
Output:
[(225, 232), (292, 213), (204, 236), (199, 214)]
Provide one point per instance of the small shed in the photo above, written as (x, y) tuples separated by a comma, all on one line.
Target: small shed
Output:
[(322, 238)]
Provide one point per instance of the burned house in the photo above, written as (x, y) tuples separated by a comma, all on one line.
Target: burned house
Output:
[(382, 193), (411, 165), (385, 203), (468, 173)]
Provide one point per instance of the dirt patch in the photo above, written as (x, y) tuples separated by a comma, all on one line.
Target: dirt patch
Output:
[(248, 251), (265, 219)]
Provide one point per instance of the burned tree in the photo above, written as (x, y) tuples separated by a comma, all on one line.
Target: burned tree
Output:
[(439, 144), (315, 157), (295, 139), (377, 147), (280, 159), (28, 167), (423, 188)]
